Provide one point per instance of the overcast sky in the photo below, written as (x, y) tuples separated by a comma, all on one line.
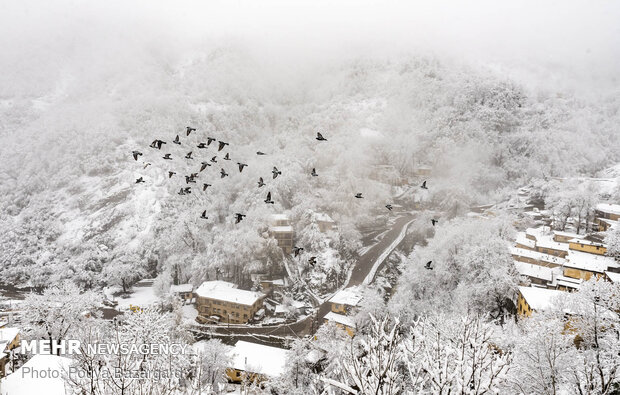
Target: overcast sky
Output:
[(579, 40)]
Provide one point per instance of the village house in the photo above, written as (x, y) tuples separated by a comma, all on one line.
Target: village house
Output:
[(536, 258), (530, 299), (345, 301), (282, 231), (536, 274), (607, 211), (254, 363), (545, 243), (324, 221), (183, 291), (341, 321), (565, 237), (588, 246), (9, 341), (270, 286), (614, 277), (223, 300), (582, 265)]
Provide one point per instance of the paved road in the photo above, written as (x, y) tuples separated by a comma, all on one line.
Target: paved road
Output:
[(309, 325)]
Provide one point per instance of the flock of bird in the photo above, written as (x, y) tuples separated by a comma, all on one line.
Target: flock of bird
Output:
[(191, 178)]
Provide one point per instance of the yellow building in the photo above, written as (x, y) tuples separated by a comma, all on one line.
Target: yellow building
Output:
[(225, 301), (564, 237), (608, 211), (345, 301), (9, 341), (535, 257), (282, 231), (588, 246), (252, 362), (341, 321), (530, 299), (582, 265)]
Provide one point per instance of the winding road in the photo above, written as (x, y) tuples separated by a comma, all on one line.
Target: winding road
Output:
[(310, 324)]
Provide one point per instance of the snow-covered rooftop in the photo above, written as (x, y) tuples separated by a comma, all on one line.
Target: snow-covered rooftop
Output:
[(256, 358), (521, 239), (322, 217), (347, 296), (181, 288), (568, 282), (589, 262), (227, 292), (7, 335), (609, 208), (340, 319), (279, 217), (540, 298), (539, 256), (544, 239), (567, 234), (613, 276), (281, 229), (587, 242), (536, 271), (23, 383)]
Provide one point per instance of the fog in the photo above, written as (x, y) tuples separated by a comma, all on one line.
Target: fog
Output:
[(573, 44)]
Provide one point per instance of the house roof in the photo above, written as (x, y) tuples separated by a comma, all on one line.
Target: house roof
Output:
[(340, 319), (536, 271), (521, 239), (347, 296), (540, 298), (23, 383), (257, 358), (279, 217), (609, 208), (182, 288), (589, 262), (227, 292), (322, 217), (7, 335), (282, 229), (568, 282), (544, 239), (613, 277), (567, 234), (537, 255), (587, 242)]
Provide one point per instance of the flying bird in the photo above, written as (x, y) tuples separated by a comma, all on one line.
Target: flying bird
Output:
[(223, 173), (312, 261), (182, 192), (171, 173), (203, 165), (434, 221), (241, 166), (136, 154), (260, 182), (204, 215), (226, 157), (297, 250), (359, 195), (314, 173), (190, 129), (222, 145), (139, 180), (189, 179), (423, 186), (205, 186), (268, 200), (428, 265), (210, 140), (275, 172), (187, 190), (389, 207), (214, 160), (320, 137), (157, 144), (146, 165), (167, 157), (201, 145), (189, 155), (238, 217), (260, 153), (176, 140)]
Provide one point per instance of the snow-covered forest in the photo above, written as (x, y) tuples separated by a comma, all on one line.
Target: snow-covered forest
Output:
[(491, 97)]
